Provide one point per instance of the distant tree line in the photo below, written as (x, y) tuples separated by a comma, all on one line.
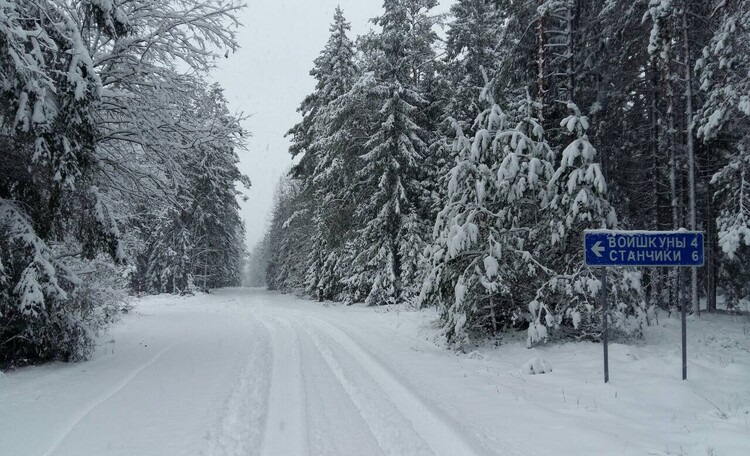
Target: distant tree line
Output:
[(118, 164), (460, 173)]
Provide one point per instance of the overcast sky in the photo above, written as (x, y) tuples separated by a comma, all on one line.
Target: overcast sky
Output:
[(269, 76)]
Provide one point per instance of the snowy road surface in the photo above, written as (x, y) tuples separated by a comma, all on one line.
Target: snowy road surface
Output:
[(249, 372)]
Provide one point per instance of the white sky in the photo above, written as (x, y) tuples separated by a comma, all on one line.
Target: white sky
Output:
[(268, 78)]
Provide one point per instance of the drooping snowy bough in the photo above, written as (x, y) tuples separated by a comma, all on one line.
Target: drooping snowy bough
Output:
[(507, 251), (117, 168)]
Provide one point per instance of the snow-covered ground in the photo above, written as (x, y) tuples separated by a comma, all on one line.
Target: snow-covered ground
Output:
[(250, 372)]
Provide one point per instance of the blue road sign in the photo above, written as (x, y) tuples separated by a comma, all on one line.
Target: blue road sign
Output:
[(643, 248)]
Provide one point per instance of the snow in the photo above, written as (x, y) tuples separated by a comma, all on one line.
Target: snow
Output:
[(641, 232), (491, 266), (536, 365), (251, 372)]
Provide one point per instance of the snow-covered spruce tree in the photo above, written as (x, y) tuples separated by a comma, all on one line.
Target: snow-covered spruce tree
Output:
[(724, 123), (507, 247), (322, 168), (677, 29), (170, 261), (350, 123), (391, 233), (257, 264), (473, 55), (218, 229), (483, 258), (334, 72), (198, 242), (578, 201), (48, 203), (288, 236)]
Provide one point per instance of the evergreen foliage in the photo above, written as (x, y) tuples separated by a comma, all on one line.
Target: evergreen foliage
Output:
[(115, 165), (530, 123), (325, 165)]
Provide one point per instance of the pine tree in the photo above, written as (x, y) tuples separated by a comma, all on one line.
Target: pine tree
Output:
[(526, 235), (334, 72), (288, 237), (47, 198), (578, 201), (481, 262), (473, 52), (200, 231), (722, 122), (180, 153), (626, 64), (98, 138), (390, 179), (322, 169)]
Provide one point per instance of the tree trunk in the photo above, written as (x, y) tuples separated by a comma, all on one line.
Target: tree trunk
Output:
[(570, 44), (675, 287), (711, 257), (655, 277), (690, 149), (540, 64)]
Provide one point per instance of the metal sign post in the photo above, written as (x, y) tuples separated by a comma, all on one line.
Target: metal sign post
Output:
[(606, 248), (683, 322), (604, 325)]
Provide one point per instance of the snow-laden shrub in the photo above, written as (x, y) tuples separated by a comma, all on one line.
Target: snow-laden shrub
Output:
[(47, 312), (733, 273), (536, 366)]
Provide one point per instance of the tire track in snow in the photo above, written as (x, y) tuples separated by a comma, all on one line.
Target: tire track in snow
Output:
[(240, 429), (93, 405), (336, 426), (285, 431), (440, 432), (482, 435), (393, 431)]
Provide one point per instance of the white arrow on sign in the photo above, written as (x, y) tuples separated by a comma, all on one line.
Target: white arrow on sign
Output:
[(598, 249)]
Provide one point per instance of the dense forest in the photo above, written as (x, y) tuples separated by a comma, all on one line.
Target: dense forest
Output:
[(119, 164), (458, 169)]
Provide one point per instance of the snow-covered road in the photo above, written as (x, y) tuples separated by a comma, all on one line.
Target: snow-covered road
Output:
[(248, 372)]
